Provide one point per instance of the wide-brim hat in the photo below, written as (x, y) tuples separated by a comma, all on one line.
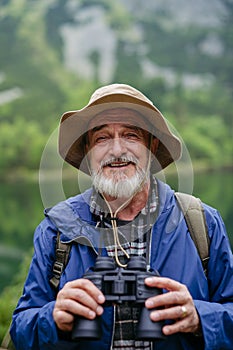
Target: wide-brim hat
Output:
[(75, 124)]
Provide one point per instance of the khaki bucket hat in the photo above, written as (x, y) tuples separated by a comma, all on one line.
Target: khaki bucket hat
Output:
[(75, 124)]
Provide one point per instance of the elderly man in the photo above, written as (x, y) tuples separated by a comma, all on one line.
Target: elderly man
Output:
[(121, 140)]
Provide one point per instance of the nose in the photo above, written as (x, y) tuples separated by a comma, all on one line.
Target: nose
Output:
[(117, 147)]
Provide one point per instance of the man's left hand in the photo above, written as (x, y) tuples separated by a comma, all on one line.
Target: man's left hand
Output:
[(177, 304)]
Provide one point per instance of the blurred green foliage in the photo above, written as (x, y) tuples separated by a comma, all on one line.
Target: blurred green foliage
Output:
[(9, 297), (32, 61)]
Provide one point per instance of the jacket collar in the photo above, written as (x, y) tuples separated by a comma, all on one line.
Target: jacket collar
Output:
[(74, 224), (74, 220)]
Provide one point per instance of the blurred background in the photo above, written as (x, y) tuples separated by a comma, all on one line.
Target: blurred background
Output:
[(55, 53)]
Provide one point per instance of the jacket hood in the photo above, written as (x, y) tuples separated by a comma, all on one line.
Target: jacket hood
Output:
[(73, 219)]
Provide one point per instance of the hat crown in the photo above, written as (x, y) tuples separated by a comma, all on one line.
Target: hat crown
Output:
[(118, 89)]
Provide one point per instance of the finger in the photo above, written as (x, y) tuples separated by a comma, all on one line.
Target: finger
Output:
[(168, 299), (83, 291), (89, 287), (164, 283), (186, 319), (63, 319), (172, 313), (182, 326), (78, 301)]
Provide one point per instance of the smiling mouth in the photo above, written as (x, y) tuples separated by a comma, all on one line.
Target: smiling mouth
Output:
[(119, 162)]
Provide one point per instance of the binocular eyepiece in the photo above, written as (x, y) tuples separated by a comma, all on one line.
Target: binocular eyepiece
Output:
[(121, 285)]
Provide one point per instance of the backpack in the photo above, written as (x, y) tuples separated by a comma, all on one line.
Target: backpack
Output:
[(195, 219), (194, 216)]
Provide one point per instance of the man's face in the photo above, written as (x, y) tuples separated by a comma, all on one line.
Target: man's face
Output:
[(118, 152)]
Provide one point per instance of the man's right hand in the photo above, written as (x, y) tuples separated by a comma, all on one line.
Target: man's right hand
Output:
[(79, 297)]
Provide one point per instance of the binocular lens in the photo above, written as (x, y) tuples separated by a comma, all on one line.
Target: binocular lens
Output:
[(147, 329), (87, 329)]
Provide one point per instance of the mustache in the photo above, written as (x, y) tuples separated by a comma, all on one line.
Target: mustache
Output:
[(122, 159)]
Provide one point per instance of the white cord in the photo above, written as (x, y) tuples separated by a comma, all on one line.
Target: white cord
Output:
[(114, 215)]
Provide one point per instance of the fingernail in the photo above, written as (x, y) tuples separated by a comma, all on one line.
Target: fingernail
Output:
[(99, 310), (92, 314), (149, 303), (149, 280), (166, 330), (154, 316), (101, 298)]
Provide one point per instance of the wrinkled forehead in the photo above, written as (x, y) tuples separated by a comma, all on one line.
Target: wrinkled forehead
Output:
[(120, 116)]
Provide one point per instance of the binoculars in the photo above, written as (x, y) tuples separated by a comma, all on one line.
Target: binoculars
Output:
[(121, 285)]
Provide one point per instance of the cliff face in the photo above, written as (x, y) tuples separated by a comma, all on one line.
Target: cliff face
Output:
[(94, 35), (107, 41)]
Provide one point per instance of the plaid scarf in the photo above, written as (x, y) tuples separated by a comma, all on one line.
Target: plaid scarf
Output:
[(134, 237)]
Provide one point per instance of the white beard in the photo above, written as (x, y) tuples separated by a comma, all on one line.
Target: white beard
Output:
[(120, 186)]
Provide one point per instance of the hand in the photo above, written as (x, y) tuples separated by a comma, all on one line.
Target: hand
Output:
[(78, 297), (177, 304)]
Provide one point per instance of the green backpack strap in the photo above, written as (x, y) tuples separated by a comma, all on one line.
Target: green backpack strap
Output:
[(195, 219), (61, 259)]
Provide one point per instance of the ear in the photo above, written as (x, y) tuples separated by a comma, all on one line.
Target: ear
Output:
[(154, 145)]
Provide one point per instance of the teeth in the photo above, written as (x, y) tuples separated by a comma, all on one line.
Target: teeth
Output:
[(118, 164)]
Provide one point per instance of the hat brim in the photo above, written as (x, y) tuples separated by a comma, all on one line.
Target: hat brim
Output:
[(75, 124)]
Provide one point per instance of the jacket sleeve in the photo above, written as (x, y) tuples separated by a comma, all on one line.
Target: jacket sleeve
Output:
[(32, 323), (216, 314)]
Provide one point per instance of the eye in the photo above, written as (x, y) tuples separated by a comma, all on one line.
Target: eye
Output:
[(131, 136), (101, 139)]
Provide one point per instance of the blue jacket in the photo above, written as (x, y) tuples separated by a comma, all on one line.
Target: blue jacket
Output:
[(172, 253)]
